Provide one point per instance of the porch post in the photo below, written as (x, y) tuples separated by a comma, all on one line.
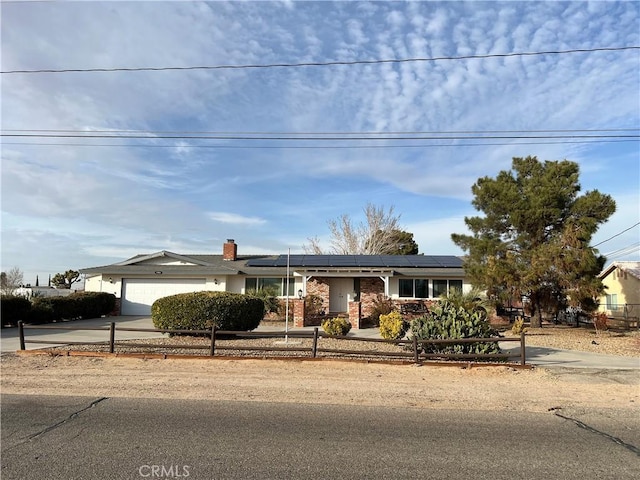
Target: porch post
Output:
[(355, 314), (298, 312)]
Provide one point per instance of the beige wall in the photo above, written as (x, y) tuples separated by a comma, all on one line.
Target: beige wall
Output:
[(625, 286)]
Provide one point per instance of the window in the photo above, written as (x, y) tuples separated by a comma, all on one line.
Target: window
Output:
[(277, 283), (446, 287), (612, 302), (405, 287), (455, 285), (439, 288), (419, 287)]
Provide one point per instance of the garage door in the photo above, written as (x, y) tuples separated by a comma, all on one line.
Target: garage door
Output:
[(139, 293)]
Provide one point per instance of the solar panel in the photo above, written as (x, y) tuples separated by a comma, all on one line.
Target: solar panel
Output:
[(342, 261), (361, 261)]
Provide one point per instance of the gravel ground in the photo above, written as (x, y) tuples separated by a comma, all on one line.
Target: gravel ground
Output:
[(623, 343), (610, 342)]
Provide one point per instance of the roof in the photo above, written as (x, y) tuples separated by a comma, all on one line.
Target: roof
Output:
[(632, 268), (196, 264)]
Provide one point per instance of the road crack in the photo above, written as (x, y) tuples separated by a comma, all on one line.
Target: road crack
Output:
[(616, 440), (58, 424)]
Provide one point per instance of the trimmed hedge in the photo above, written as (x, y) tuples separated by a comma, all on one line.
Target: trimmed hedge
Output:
[(93, 304), (50, 309), (13, 308), (201, 310)]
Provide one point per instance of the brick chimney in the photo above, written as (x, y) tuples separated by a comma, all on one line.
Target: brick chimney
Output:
[(230, 250)]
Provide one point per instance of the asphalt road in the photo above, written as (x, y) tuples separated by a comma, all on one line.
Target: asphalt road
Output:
[(120, 438)]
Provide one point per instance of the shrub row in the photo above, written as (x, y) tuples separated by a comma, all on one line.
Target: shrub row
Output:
[(202, 310), (49, 309)]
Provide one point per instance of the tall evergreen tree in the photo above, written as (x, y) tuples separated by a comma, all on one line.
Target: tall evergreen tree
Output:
[(534, 237)]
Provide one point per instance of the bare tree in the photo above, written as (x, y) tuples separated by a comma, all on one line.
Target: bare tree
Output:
[(11, 280), (377, 235)]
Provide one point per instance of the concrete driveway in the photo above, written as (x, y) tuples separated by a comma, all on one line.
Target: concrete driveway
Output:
[(9, 341), (539, 356)]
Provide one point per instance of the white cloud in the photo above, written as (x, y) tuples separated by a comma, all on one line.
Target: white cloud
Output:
[(226, 217)]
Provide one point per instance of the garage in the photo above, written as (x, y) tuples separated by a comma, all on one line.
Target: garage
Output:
[(138, 294)]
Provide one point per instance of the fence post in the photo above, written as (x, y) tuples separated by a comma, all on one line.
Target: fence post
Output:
[(112, 337), (522, 349), (21, 333), (212, 348), (314, 348), (416, 357)]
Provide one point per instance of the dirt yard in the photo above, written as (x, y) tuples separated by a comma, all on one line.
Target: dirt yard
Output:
[(341, 382)]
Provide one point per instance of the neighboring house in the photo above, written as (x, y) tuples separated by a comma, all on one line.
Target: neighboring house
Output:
[(622, 289), (33, 292), (347, 284)]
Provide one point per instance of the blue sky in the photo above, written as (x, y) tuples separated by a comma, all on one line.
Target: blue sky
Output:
[(81, 202)]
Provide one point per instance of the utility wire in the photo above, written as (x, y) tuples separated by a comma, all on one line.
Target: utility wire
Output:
[(617, 235), (322, 64), (435, 132), (316, 147), (312, 138)]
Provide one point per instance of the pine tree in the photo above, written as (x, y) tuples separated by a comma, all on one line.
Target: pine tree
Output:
[(534, 237)]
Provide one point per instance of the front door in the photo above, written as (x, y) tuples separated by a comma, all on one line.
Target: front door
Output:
[(339, 290)]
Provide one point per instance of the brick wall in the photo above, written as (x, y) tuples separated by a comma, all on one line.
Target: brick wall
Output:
[(319, 286), (370, 288)]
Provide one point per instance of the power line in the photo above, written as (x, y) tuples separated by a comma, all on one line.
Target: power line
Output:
[(378, 132), (316, 147), (623, 252), (322, 64), (316, 138), (617, 235)]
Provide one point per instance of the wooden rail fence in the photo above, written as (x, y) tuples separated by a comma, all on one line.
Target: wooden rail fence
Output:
[(214, 333)]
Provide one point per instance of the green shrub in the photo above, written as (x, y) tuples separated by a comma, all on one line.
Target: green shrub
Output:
[(381, 305), (446, 321), (392, 326), (269, 295), (202, 310), (13, 308), (61, 308), (41, 313), (336, 326), (518, 326), (93, 304)]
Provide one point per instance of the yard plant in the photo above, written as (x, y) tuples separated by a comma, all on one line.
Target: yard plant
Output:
[(446, 321), (203, 310), (336, 326), (393, 326)]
